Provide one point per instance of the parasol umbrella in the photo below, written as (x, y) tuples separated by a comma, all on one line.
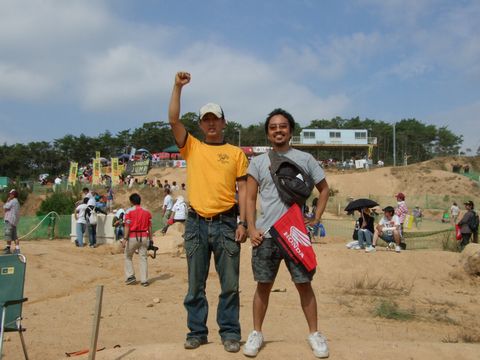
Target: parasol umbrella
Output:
[(124, 157), (360, 204)]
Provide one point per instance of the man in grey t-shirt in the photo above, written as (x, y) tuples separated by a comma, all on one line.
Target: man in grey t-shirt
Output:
[(266, 254)]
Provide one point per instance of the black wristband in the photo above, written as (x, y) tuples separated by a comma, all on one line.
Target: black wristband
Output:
[(243, 223)]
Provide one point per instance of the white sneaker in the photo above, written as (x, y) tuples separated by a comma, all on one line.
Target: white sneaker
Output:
[(370, 249), (253, 344), (390, 246), (357, 247), (318, 343), (351, 244), (398, 249)]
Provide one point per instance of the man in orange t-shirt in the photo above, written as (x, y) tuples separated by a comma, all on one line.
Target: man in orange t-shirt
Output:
[(214, 170)]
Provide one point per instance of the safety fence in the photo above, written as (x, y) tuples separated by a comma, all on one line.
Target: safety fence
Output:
[(431, 235), (54, 226), (435, 203)]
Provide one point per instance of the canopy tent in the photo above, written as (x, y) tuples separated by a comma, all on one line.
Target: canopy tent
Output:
[(102, 159), (248, 150), (124, 157), (171, 149), (161, 155)]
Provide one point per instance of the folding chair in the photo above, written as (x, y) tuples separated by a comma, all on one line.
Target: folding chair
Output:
[(12, 279)]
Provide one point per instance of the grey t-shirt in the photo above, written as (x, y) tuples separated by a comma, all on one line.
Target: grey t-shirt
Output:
[(271, 207)]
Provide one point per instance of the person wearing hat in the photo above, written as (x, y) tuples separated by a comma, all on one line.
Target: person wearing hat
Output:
[(465, 228), (215, 169), (11, 218), (401, 210), (388, 229)]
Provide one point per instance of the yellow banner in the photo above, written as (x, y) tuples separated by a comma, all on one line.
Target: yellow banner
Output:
[(115, 172), (96, 175), (72, 174), (407, 224), (370, 151), (97, 154)]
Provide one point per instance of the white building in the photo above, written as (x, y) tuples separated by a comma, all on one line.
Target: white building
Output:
[(345, 137)]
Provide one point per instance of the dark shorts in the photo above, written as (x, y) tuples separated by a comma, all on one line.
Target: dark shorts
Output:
[(10, 232), (266, 260)]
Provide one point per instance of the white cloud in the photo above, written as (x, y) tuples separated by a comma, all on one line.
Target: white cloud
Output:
[(400, 13), (123, 76), (246, 87), (334, 58), (426, 34), (17, 83)]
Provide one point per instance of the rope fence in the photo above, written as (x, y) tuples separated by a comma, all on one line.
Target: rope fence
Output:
[(432, 235)]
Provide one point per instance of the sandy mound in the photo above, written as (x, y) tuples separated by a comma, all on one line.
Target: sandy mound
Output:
[(412, 179)]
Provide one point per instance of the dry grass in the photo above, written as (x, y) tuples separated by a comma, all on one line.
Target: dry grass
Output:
[(377, 287), (464, 335), (441, 315)]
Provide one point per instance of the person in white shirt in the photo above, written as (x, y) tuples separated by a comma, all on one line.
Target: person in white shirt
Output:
[(167, 204), (56, 183), (81, 221), (388, 229), (454, 212), (179, 213)]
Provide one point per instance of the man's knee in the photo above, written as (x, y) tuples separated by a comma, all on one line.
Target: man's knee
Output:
[(264, 288), (304, 288)]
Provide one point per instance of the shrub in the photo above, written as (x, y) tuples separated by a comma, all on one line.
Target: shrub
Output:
[(390, 310), (62, 203), (449, 242)]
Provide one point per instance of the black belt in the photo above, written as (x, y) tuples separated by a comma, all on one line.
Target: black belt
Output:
[(231, 213)]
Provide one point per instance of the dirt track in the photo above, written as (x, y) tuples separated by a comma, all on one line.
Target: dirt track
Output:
[(61, 283)]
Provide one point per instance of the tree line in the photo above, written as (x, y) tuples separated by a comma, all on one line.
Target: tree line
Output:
[(414, 138)]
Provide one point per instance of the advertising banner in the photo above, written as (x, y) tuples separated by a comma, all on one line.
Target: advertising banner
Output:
[(72, 174), (115, 172), (96, 175), (138, 167)]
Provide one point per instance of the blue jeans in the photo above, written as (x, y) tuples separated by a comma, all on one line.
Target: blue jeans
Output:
[(364, 238), (119, 233), (80, 231), (92, 234), (202, 238)]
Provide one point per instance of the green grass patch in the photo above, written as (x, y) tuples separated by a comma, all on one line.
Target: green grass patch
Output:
[(390, 310)]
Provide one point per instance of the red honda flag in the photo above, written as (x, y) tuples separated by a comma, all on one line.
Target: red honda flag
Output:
[(292, 235)]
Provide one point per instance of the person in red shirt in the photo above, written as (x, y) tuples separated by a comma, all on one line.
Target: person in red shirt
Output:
[(138, 233)]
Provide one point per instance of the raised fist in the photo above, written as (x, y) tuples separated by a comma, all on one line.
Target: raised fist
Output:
[(182, 78)]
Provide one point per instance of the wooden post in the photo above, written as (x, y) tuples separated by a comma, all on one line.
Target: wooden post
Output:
[(96, 323)]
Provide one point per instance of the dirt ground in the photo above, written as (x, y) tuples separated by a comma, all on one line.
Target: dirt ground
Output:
[(150, 323), (440, 303)]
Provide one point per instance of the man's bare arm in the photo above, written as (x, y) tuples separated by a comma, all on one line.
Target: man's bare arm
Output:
[(256, 236), (241, 234), (178, 129), (323, 195)]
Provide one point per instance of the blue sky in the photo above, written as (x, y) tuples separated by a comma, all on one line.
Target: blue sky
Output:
[(81, 66)]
